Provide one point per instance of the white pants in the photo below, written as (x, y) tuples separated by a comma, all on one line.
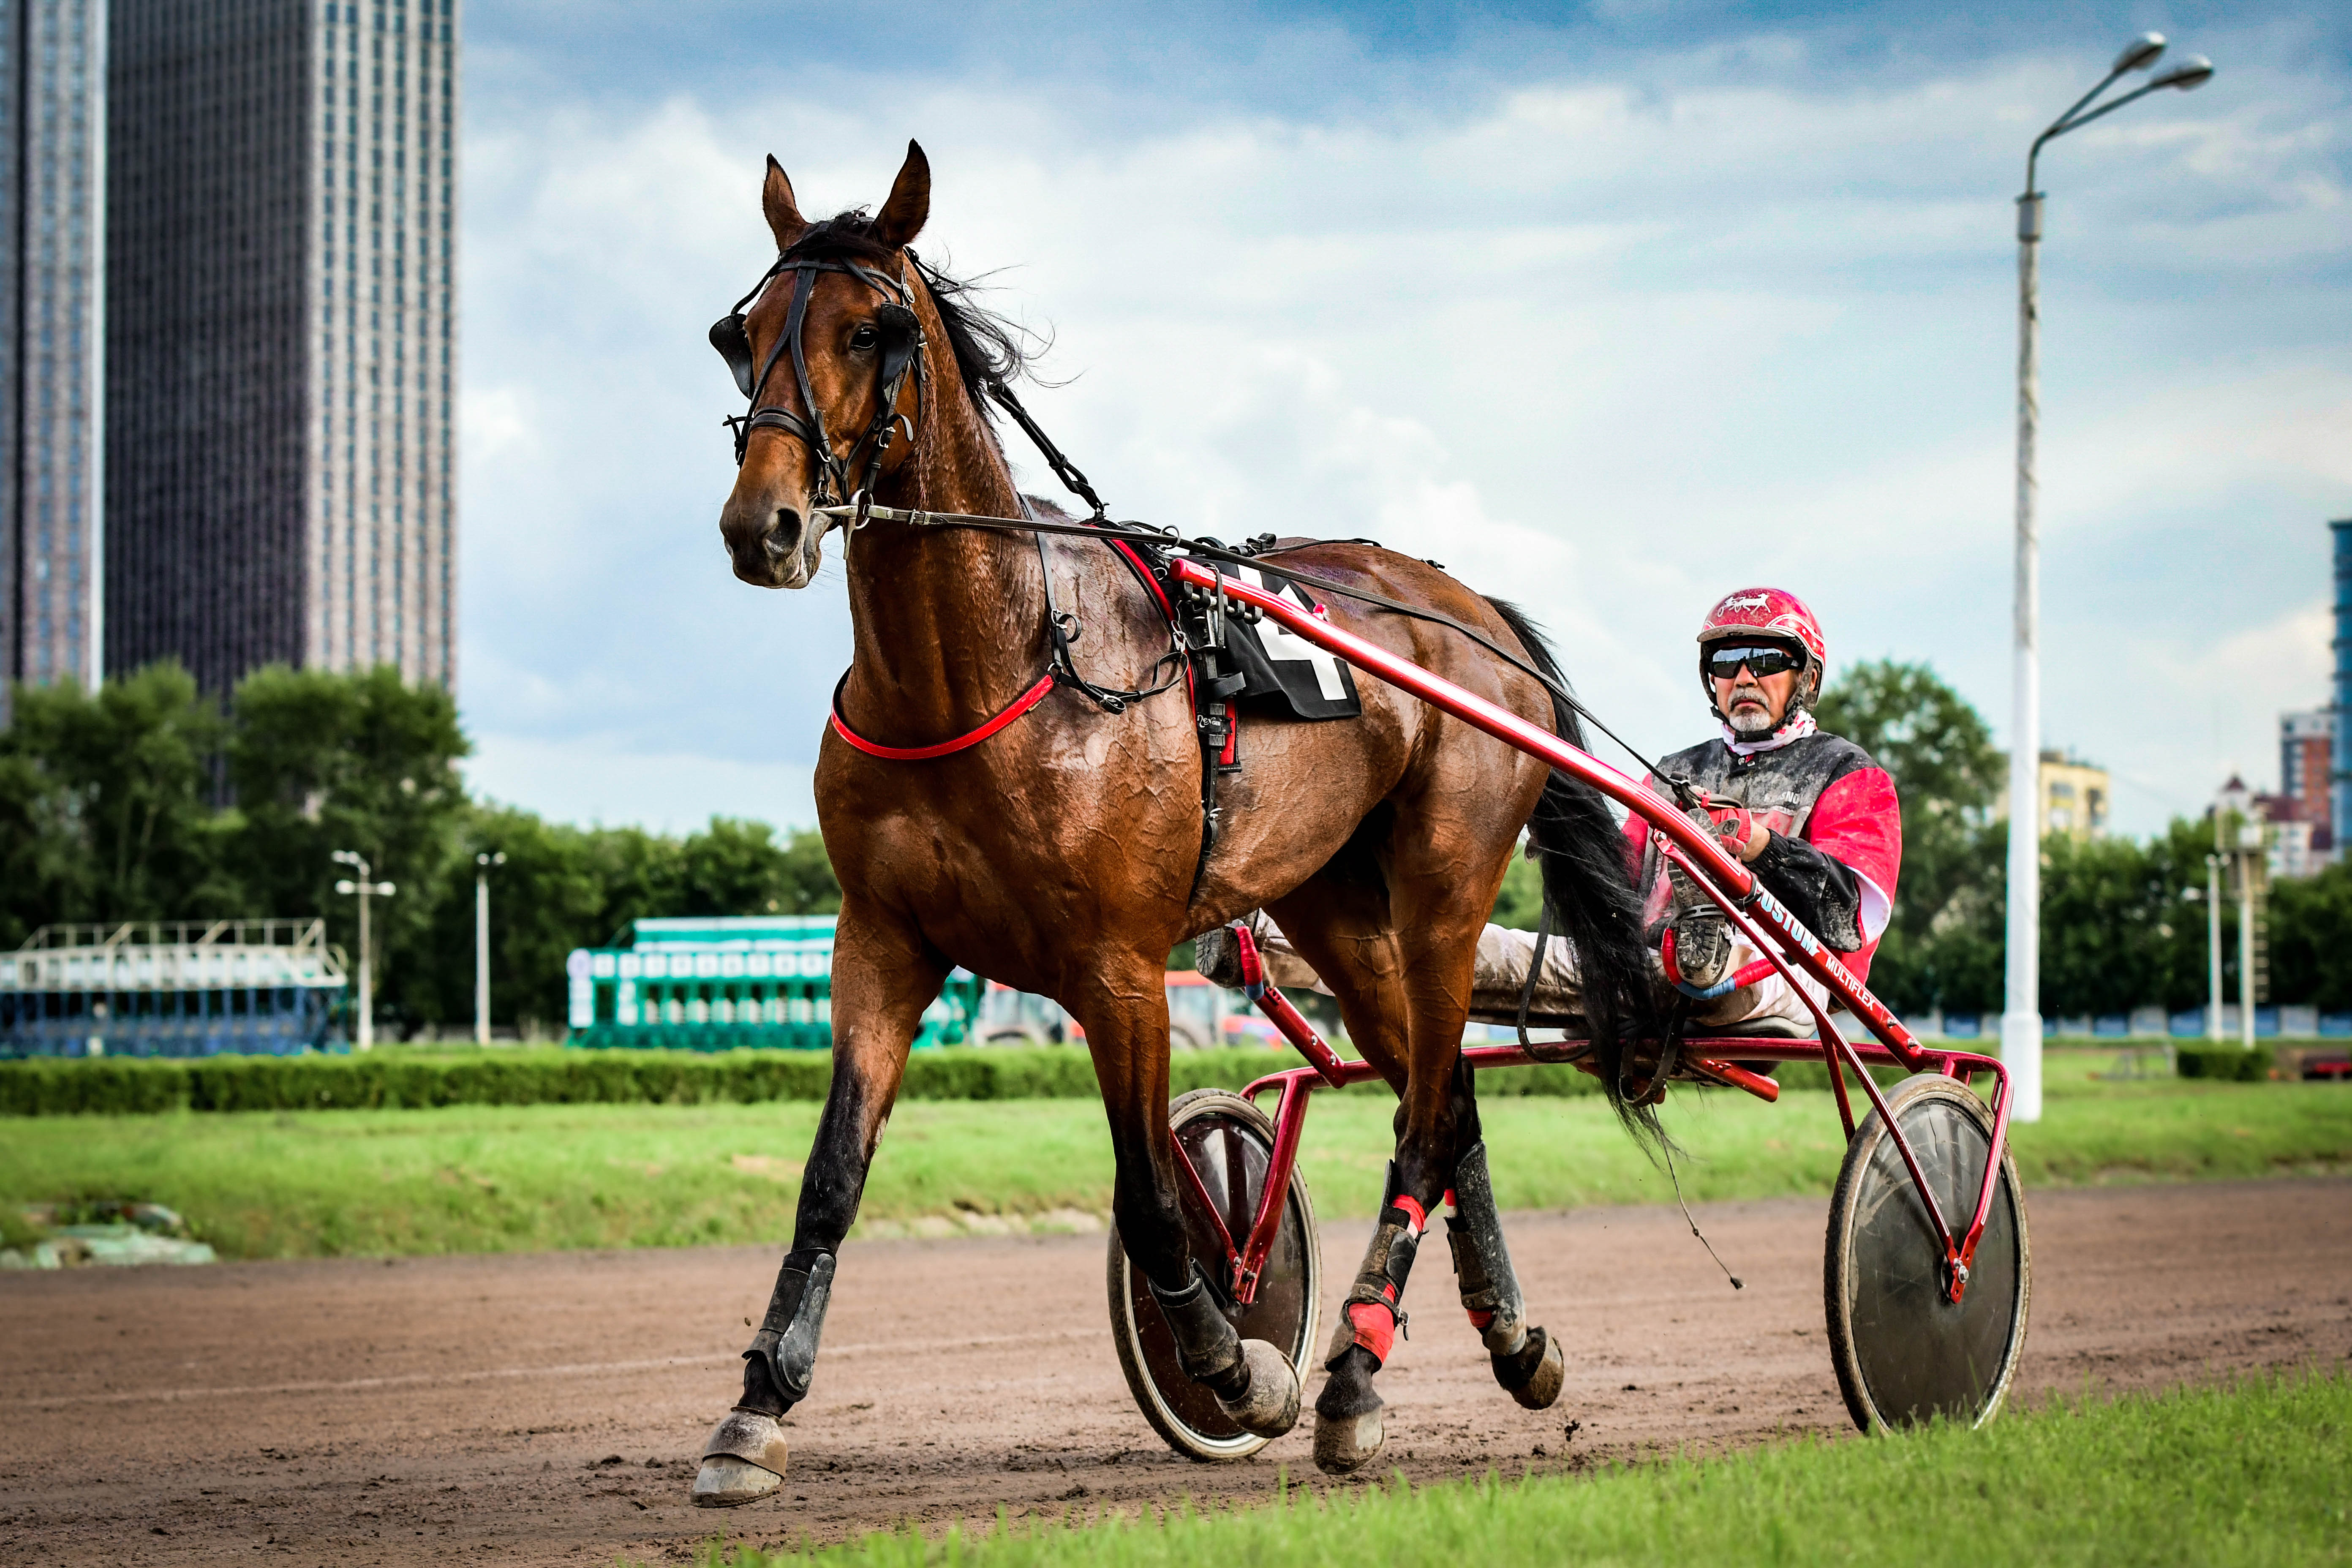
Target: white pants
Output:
[(1501, 970)]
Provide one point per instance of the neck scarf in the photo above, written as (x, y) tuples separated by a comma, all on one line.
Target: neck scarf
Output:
[(1795, 729)]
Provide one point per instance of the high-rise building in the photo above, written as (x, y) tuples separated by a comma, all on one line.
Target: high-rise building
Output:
[(52, 254), (281, 357), (2339, 810)]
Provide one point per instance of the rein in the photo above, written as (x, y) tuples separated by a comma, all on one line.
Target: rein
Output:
[(1254, 555), (902, 342)]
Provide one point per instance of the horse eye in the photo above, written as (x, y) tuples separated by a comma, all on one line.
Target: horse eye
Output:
[(863, 338)]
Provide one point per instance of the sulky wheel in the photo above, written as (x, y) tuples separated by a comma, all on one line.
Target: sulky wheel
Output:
[(1231, 1142), (1904, 1351)]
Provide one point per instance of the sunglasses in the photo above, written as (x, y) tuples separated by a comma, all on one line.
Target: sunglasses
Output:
[(1761, 659)]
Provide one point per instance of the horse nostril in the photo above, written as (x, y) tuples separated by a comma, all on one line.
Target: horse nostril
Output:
[(787, 528)]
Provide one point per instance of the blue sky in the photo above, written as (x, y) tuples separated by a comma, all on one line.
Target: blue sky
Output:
[(1611, 309)]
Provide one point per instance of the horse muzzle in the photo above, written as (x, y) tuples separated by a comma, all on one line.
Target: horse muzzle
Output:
[(770, 546)]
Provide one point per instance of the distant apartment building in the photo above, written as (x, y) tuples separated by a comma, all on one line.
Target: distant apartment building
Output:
[(52, 269), (2308, 762), (280, 335), (2294, 846), (2075, 796), (2306, 789)]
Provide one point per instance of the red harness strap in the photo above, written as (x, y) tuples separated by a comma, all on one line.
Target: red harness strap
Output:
[(1021, 704)]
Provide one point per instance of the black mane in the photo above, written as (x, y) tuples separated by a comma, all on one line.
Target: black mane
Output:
[(987, 346)]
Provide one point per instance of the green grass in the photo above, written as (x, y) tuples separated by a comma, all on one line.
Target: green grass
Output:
[(540, 1177), (2253, 1473)]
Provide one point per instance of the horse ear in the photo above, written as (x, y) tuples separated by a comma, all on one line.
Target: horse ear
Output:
[(903, 216), (784, 220)]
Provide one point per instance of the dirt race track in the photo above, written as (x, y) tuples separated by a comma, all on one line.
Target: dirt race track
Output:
[(549, 1408)]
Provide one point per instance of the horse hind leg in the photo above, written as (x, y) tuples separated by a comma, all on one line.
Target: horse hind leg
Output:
[(1527, 1361), (1416, 965), (1340, 921), (1347, 1422)]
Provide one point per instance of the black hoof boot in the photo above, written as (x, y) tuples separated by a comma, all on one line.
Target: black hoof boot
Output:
[(1534, 1375)]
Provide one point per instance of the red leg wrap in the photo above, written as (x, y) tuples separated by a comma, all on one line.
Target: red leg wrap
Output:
[(1375, 1328)]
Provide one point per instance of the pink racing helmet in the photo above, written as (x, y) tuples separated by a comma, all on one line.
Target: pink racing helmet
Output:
[(1772, 615)]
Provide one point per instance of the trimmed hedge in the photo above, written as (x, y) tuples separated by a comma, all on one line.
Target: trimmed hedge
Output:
[(2232, 1063), (391, 1080), (397, 1078)]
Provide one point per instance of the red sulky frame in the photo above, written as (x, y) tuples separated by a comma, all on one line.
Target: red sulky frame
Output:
[(1752, 910)]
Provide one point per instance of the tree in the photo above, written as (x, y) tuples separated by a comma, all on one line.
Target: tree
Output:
[(1942, 947), (563, 888), (549, 897), (2106, 909), (737, 868), (1518, 903), (39, 865), (2174, 934), (103, 801), (324, 760), (2311, 939)]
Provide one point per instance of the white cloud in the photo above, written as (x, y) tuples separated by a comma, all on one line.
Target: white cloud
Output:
[(1607, 346), (593, 778)]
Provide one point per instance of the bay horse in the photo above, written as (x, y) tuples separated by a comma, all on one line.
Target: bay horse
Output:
[(1061, 854)]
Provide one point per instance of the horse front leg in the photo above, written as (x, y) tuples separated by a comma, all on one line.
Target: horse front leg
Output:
[(1125, 1013), (883, 978)]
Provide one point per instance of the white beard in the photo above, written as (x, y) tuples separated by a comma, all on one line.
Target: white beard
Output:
[(1750, 722)]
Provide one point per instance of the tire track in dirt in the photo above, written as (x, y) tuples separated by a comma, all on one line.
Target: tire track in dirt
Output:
[(548, 1408)]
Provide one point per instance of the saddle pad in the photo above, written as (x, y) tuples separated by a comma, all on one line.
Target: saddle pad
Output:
[(1287, 668)]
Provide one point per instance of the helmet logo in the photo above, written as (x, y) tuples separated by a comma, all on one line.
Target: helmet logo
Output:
[(1744, 602)]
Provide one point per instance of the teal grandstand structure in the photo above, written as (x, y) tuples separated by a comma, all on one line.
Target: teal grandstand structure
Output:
[(720, 983)]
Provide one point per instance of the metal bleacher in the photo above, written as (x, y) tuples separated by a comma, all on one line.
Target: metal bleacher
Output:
[(187, 988)]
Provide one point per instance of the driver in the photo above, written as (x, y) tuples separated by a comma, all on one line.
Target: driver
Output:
[(1809, 813)]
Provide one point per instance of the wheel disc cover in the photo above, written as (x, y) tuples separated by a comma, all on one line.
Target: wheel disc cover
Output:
[(1232, 1159), (1918, 1352)]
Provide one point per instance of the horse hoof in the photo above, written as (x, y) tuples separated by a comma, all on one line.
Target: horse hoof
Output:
[(743, 1461), (1344, 1444), (1270, 1406), (1539, 1376), (726, 1481)]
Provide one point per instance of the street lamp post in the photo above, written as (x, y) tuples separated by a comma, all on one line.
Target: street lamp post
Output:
[(2249, 843), (2020, 1022), (2214, 944), (365, 888), (482, 864)]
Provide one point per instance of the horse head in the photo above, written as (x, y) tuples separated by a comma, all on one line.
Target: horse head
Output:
[(830, 353)]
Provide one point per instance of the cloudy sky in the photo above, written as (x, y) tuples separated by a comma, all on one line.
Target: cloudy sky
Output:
[(1611, 308)]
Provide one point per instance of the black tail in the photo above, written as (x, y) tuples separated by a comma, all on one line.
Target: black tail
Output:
[(1591, 896)]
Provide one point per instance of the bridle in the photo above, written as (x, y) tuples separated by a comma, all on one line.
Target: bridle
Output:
[(901, 343), (838, 502)]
